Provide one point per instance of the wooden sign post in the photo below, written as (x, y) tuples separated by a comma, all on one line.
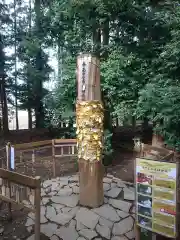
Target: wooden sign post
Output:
[(89, 122)]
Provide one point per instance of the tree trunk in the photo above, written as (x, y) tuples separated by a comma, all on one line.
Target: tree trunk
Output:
[(3, 99), (4, 105), (60, 62), (15, 66), (105, 34), (96, 40), (145, 123), (133, 122), (29, 118), (28, 77), (39, 109)]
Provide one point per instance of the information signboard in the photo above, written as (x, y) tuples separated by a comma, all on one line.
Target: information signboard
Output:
[(156, 196)]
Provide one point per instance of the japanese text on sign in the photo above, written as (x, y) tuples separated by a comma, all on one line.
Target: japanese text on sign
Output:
[(156, 196)]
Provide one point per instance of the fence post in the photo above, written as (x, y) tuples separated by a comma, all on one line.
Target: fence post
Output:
[(73, 150), (62, 151), (33, 156), (8, 183), (53, 158), (21, 156), (37, 204)]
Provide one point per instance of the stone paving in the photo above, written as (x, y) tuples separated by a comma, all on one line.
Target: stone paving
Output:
[(63, 218)]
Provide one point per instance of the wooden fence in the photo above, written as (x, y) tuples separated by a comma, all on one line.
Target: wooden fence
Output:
[(23, 191), (153, 152), (49, 149), (3, 157)]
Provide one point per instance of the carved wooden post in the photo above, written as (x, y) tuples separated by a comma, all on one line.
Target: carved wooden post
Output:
[(89, 121)]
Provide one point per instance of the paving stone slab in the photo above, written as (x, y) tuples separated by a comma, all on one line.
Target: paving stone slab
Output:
[(113, 185), (55, 186), (79, 226), (106, 186), (1, 230), (47, 190), (47, 183), (29, 222), (48, 229), (54, 237), (130, 234), (74, 178), (43, 210), (120, 204), (87, 217), (72, 223), (67, 233), (74, 211), (107, 180), (45, 200), (62, 218), (105, 222), (103, 231), (119, 238), (113, 192), (65, 192), (133, 210), (110, 175), (50, 212), (122, 214), (106, 200), (107, 212), (65, 209), (31, 215), (88, 233), (76, 189), (29, 229), (43, 219), (32, 237), (123, 226), (129, 194), (57, 206), (121, 184), (69, 201)]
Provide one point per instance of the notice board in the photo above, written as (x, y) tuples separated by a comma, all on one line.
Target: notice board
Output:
[(156, 196)]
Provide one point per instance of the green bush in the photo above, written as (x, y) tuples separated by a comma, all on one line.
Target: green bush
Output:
[(107, 148)]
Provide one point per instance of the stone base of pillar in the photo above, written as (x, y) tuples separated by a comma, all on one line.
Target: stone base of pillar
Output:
[(91, 183)]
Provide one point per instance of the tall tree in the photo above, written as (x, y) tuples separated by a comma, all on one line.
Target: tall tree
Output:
[(4, 21), (15, 64)]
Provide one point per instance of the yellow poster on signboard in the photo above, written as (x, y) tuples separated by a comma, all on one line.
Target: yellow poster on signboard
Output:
[(156, 196)]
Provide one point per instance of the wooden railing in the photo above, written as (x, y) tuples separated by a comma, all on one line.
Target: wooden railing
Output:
[(3, 157), (23, 191), (153, 152), (55, 148)]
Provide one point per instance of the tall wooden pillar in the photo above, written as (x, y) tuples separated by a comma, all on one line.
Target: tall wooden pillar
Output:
[(89, 122)]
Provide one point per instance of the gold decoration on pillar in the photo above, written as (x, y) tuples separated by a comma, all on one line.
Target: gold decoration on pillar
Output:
[(89, 122)]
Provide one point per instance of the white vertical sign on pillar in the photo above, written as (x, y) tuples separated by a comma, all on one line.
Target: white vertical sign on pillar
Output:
[(12, 159)]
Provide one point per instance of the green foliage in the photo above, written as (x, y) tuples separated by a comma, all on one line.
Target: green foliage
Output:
[(159, 100), (107, 148), (138, 43)]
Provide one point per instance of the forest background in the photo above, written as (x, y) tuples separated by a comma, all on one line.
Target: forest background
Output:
[(137, 41)]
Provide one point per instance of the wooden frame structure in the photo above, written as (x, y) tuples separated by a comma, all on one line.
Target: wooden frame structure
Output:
[(61, 144), (25, 181), (53, 145)]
